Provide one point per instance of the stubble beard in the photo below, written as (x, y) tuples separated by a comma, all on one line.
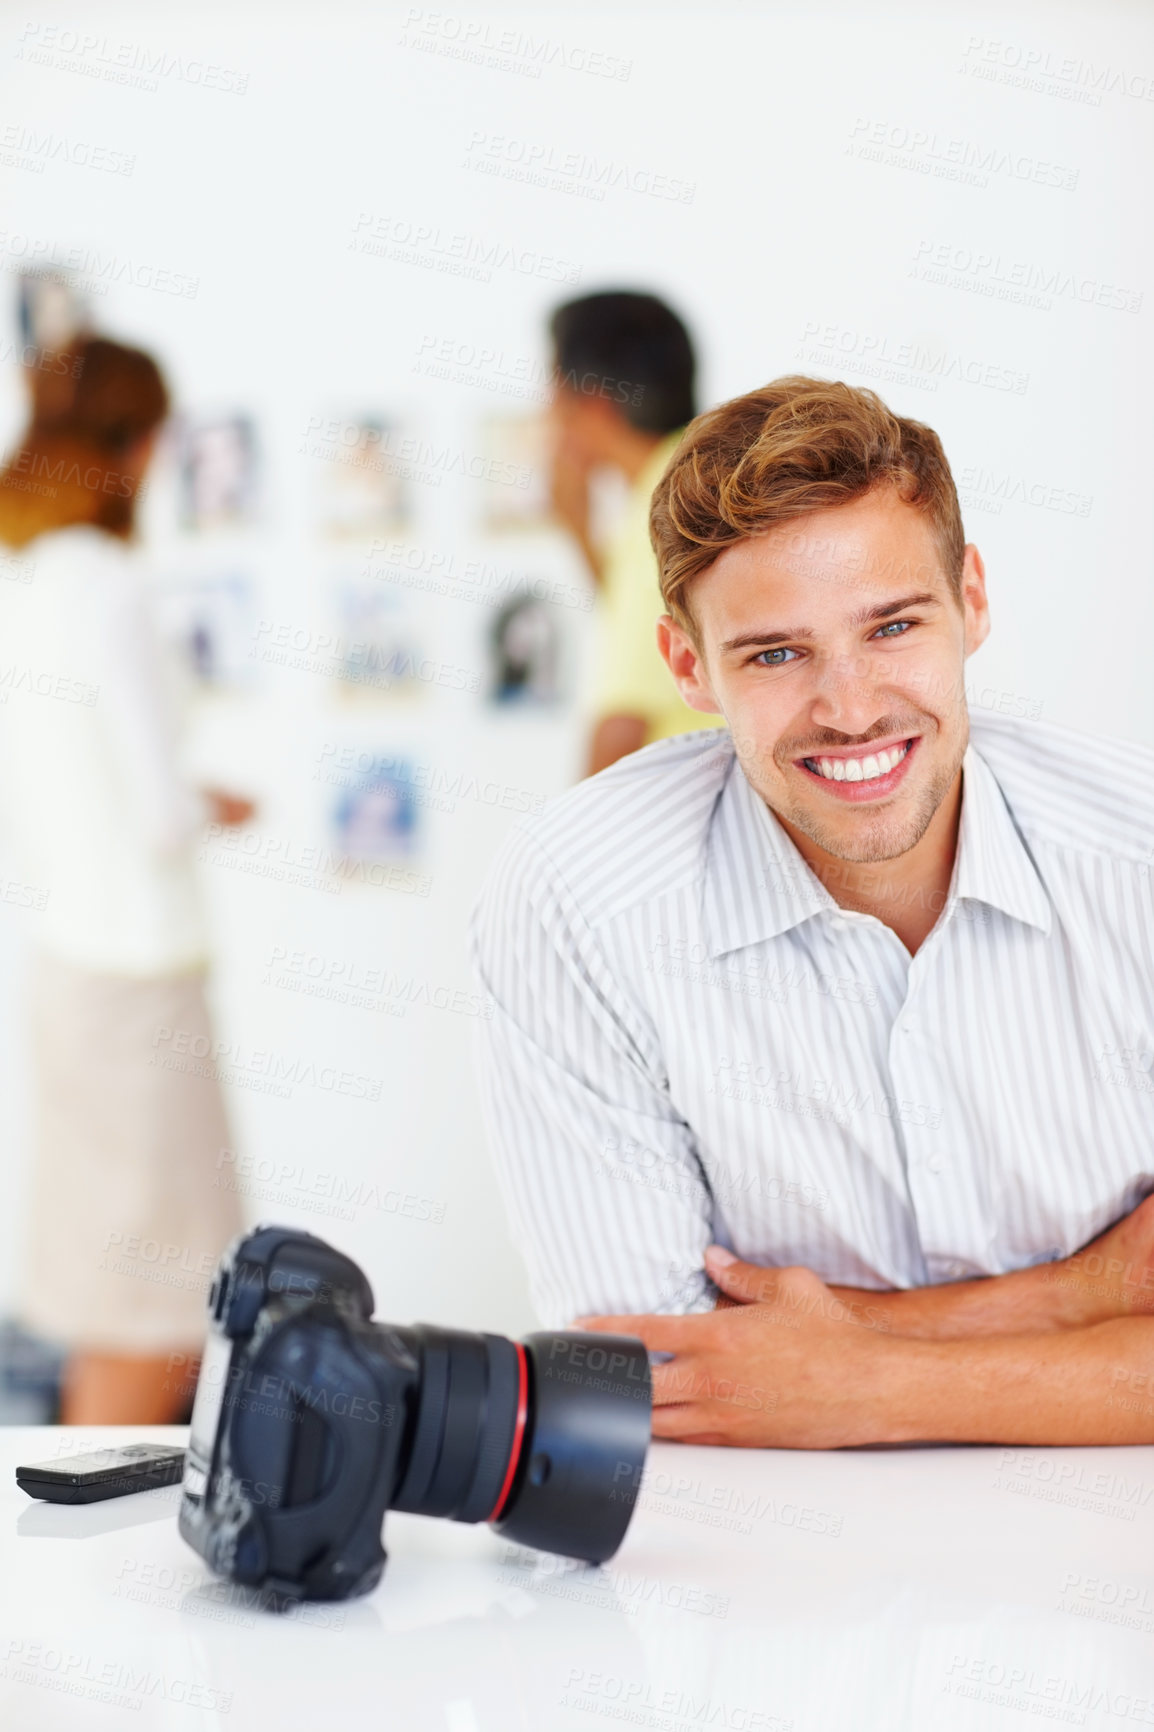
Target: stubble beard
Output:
[(864, 837)]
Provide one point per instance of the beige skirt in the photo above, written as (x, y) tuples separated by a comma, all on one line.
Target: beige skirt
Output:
[(130, 1206)]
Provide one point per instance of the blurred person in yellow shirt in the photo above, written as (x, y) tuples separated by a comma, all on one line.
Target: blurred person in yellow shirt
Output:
[(623, 391)]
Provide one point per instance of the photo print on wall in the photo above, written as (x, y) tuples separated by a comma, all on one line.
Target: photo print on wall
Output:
[(51, 310), (362, 485), (526, 654), (514, 470), (218, 472), (380, 649), (375, 816), (209, 622)]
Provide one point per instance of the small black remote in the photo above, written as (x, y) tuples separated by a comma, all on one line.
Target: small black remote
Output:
[(104, 1473)]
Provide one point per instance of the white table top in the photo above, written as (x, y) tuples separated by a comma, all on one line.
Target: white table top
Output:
[(908, 1590)]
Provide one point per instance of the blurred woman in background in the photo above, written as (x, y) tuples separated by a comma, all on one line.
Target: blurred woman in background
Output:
[(126, 1218)]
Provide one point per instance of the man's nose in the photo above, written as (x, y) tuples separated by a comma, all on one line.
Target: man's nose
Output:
[(846, 685)]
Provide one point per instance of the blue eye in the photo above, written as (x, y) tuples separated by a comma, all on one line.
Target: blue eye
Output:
[(893, 629)]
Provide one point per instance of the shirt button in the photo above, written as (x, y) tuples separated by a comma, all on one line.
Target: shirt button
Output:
[(936, 1164)]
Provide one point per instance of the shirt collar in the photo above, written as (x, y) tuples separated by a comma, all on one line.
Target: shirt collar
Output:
[(993, 864), (757, 885)]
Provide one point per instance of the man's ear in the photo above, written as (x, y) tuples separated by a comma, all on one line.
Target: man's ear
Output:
[(684, 661), (974, 604)]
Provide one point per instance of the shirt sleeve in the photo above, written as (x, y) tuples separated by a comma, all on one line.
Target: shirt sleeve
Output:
[(600, 1173)]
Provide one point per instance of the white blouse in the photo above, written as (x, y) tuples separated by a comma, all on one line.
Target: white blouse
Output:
[(92, 804)]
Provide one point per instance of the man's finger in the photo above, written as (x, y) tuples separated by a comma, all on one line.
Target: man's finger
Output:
[(684, 1379), (690, 1422), (660, 1334), (747, 1283)]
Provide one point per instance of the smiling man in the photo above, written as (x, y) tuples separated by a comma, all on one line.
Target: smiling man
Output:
[(822, 1045)]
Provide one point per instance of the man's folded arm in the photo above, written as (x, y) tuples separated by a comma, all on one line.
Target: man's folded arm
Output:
[(1085, 1386), (599, 1171), (1111, 1277), (789, 1367)]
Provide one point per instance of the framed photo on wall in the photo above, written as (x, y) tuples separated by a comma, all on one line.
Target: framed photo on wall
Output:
[(218, 465)]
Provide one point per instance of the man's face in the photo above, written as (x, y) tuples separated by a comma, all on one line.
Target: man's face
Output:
[(577, 425), (834, 648)]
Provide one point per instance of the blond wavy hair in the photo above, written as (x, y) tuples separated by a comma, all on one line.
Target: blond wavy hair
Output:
[(792, 447)]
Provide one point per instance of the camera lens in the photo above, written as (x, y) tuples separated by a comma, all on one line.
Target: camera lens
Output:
[(544, 1438), (465, 1426)]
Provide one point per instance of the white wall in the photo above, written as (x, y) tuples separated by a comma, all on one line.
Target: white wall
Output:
[(931, 266)]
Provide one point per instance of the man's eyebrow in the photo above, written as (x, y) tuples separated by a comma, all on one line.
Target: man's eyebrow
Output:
[(864, 616)]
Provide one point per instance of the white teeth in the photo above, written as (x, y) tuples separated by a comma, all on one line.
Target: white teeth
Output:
[(860, 769)]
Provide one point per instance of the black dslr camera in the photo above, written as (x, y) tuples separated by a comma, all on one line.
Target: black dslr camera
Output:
[(311, 1420)]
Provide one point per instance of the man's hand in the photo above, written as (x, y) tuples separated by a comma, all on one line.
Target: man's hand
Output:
[(792, 1363), (569, 487), (615, 737), (228, 809), (790, 1366), (569, 477)]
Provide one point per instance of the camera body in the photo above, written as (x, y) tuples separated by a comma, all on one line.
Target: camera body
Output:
[(311, 1420)]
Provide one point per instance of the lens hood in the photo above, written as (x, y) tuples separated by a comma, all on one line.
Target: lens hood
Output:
[(580, 1469)]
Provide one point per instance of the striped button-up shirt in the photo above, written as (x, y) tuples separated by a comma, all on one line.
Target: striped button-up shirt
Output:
[(692, 1042)]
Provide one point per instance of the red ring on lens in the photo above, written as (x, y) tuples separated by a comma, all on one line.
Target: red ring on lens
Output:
[(518, 1431)]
